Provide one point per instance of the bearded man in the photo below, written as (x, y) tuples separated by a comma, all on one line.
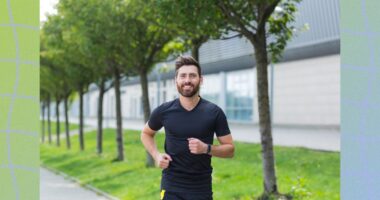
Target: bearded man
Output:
[(190, 123)]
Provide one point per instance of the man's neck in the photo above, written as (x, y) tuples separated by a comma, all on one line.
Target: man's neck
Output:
[(189, 102)]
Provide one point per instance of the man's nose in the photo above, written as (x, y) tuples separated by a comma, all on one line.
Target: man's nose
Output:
[(187, 79)]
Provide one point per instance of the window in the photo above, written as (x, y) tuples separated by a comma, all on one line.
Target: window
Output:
[(240, 96)]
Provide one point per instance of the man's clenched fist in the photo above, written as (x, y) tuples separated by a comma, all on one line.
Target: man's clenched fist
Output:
[(163, 160), (196, 146)]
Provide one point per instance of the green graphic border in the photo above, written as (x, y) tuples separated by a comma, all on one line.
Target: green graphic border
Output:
[(19, 99)]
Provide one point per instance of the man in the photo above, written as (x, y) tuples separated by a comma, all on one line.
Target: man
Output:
[(190, 123)]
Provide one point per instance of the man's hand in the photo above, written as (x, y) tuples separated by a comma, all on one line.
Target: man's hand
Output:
[(163, 160), (196, 146)]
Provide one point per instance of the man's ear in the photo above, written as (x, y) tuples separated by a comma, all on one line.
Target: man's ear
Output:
[(201, 80)]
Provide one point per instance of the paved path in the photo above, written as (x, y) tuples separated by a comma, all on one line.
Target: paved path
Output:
[(55, 187)]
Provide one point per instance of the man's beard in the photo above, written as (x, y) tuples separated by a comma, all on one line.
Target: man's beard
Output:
[(188, 92)]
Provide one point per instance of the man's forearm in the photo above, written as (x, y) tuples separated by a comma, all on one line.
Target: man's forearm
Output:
[(223, 150), (149, 144)]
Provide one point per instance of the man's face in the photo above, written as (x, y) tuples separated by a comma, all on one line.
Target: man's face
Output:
[(188, 80)]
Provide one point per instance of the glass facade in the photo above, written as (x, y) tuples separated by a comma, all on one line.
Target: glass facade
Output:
[(239, 95), (233, 92), (211, 88)]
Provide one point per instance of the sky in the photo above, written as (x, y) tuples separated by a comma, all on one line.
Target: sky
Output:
[(47, 6)]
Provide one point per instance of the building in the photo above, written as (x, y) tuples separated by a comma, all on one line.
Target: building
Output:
[(304, 85)]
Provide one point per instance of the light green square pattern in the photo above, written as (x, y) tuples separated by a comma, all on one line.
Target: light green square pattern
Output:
[(29, 190), (23, 115), (4, 107), (4, 18), (22, 181), (6, 189), (3, 149), (350, 8), (28, 86), (29, 49), (20, 8), (351, 79), (26, 155), (354, 50), (7, 77), (7, 44)]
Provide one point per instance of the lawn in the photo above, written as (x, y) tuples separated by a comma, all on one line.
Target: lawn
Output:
[(54, 128), (307, 174)]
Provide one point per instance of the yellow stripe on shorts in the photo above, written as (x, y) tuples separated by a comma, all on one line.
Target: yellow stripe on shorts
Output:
[(162, 194)]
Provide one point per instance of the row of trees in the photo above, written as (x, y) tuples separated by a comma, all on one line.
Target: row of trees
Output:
[(103, 41)]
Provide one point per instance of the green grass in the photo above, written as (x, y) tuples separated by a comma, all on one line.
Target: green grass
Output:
[(54, 128), (306, 173)]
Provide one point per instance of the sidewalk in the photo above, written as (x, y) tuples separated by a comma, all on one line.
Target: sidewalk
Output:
[(312, 138), (56, 187)]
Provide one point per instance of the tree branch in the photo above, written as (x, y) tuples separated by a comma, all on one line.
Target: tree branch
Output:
[(267, 11), (233, 18), (234, 36)]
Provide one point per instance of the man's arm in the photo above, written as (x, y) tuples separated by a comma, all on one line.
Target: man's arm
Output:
[(147, 138), (225, 149)]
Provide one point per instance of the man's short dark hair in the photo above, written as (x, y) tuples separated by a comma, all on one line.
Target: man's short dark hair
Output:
[(186, 60)]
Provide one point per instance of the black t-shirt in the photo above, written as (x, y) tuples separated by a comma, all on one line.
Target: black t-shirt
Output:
[(188, 172)]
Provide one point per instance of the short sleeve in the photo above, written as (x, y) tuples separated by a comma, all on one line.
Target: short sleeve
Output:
[(155, 122), (221, 125)]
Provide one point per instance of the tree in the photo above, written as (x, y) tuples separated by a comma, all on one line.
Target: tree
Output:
[(257, 20), (151, 42), (43, 106), (70, 66), (49, 75), (45, 97), (50, 81), (100, 33), (192, 22)]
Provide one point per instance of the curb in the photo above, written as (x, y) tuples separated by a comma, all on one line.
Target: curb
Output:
[(75, 180)]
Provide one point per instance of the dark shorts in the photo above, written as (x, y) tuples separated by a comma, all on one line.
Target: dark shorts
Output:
[(167, 195)]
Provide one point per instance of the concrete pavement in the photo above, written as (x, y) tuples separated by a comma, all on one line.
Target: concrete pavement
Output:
[(56, 187)]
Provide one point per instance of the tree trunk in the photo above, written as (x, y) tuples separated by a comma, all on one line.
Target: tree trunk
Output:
[(146, 107), (119, 131), (81, 138), (67, 128), (57, 121), (49, 121), (197, 43), (195, 52), (100, 117), (261, 55), (43, 121)]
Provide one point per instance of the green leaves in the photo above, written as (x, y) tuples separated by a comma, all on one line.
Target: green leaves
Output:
[(281, 27), (193, 21)]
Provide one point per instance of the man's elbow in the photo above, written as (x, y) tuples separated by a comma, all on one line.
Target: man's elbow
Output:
[(231, 152), (142, 136)]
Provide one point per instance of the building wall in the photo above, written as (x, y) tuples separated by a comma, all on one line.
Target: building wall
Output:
[(307, 92), (321, 18)]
